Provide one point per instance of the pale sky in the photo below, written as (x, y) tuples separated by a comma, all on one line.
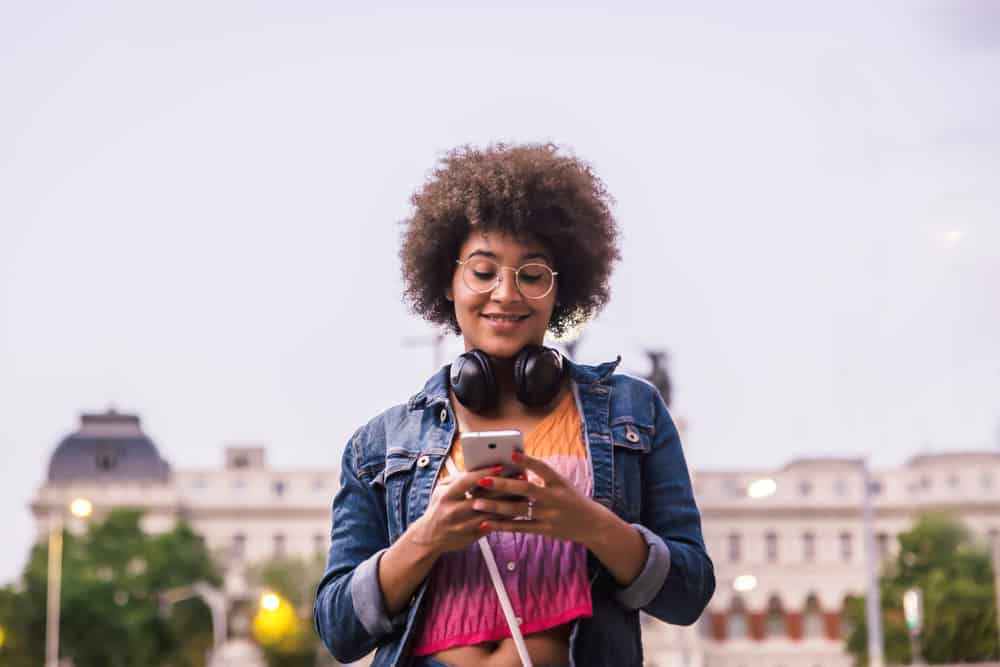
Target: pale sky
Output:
[(199, 207)]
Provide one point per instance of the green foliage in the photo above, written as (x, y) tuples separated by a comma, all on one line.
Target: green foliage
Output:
[(112, 576), (295, 580), (954, 572)]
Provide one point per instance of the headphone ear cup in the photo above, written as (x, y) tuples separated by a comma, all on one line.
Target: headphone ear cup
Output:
[(474, 381), (538, 375)]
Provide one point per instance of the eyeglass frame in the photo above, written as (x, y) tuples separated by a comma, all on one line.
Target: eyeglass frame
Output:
[(463, 262)]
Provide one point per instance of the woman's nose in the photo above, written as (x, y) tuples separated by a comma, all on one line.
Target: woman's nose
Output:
[(506, 289)]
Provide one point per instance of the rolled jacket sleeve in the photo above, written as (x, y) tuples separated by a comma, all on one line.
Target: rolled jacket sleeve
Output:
[(654, 572), (368, 601)]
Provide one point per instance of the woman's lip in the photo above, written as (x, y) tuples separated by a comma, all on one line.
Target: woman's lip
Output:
[(504, 324)]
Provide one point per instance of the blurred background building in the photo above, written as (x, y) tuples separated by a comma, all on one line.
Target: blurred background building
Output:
[(787, 543)]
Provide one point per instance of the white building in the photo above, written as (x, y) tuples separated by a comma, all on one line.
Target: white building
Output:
[(796, 549)]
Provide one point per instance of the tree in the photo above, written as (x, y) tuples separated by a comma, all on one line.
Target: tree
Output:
[(953, 570), (112, 577)]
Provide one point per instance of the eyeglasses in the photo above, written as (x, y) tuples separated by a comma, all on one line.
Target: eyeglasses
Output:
[(482, 275)]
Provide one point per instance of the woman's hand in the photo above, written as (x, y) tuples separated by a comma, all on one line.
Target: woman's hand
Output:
[(450, 522), (557, 509)]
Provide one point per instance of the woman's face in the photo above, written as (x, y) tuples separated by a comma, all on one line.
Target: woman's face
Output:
[(503, 321)]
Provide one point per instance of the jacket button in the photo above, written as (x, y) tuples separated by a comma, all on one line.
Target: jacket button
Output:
[(631, 435), (444, 415), (511, 566), (423, 461)]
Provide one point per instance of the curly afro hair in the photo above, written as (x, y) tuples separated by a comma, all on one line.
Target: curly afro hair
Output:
[(526, 191)]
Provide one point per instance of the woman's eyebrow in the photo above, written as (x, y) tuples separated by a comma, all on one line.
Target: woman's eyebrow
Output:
[(524, 258)]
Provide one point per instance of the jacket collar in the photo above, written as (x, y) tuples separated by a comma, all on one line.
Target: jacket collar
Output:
[(436, 388)]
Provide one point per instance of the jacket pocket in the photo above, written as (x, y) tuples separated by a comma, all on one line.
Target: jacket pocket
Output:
[(631, 442), (395, 479)]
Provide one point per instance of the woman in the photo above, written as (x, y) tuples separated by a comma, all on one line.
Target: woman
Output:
[(505, 244)]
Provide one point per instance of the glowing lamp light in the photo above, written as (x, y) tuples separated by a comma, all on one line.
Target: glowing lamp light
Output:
[(275, 622), (762, 488), (744, 583), (81, 508), (270, 602)]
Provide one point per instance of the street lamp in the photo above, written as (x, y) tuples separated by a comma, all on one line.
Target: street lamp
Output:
[(80, 508)]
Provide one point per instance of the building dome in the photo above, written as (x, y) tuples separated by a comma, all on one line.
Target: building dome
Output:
[(108, 447)]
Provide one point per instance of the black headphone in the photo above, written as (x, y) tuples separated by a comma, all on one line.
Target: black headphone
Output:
[(538, 374)]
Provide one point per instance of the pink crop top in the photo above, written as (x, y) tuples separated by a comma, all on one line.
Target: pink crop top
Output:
[(546, 579)]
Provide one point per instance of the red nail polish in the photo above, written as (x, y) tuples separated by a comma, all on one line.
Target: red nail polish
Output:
[(497, 470), (522, 476), (485, 525), (486, 482), (518, 457)]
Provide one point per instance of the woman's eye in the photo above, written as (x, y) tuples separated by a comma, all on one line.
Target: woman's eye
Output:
[(531, 277), (485, 275)]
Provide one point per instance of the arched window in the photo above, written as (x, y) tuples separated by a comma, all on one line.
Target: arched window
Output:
[(808, 547), (846, 547), (239, 547), (771, 544), (734, 547), (737, 627), (812, 619), (775, 621)]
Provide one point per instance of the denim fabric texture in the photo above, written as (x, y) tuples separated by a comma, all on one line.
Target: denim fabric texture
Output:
[(388, 470)]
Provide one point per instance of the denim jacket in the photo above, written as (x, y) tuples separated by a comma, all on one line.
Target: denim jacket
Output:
[(388, 471)]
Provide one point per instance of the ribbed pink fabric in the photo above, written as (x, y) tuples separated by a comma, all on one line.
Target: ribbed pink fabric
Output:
[(545, 578)]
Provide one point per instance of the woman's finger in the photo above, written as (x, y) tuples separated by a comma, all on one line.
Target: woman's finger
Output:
[(468, 481), (514, 487), (500, 507)]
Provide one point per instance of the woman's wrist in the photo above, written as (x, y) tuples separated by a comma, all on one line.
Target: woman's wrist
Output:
[(416, 546)]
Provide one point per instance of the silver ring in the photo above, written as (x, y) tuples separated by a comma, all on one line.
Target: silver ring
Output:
[(531, 508), (469, 496)]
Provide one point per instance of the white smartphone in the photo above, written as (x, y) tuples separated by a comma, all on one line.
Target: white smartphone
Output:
[(485, 449)]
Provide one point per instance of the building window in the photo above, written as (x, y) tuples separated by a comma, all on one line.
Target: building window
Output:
[(771, 544), (734, 547), (883, 545), (279, 546), (812, 618), (279, 488), (319, 543), (736, 625), (106, 459), (241, 461), (986, 481), (840, 487), (875, 487), (319, 484), (953, 482), (846, 547), (808, 547), (239, 549), (775, 623), (925, 483), (805, 488)]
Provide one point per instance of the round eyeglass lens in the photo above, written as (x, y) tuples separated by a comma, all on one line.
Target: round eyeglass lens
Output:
[(480, 274), (534, 280)]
